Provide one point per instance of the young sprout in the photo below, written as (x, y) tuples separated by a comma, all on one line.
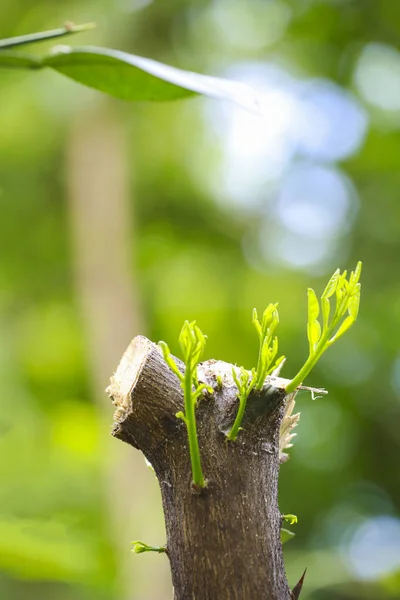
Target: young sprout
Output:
[(192, 342), (286, 534), (291, 519), (320, 338), (140, 547), (245, 383), (266, 363), (268, 344)]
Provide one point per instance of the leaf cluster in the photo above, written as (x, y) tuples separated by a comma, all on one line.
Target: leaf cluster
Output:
[(323, 333)]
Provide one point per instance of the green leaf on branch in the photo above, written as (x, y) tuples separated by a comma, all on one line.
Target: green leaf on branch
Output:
[(136, 78)]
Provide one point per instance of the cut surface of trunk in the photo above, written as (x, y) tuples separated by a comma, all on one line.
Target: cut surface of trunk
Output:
[(223, 541)]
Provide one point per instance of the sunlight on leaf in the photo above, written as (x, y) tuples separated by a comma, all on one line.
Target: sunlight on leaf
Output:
[(137, 78)]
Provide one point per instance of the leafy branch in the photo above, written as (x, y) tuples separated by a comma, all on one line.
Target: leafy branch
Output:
[(192, 343), (320, 338)]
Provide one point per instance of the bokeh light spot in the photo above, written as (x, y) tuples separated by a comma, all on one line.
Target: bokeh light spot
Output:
[(377, 76)]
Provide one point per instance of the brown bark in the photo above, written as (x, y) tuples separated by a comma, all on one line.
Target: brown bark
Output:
[(224, 542)]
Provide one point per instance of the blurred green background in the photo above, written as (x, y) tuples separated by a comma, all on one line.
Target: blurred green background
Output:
[(118, 219)]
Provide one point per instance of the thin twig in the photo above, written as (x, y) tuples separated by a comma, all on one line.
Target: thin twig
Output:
[(32, 38)]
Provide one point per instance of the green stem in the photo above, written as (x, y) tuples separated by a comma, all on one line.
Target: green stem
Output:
[(194, 450), (260, 381), (305, 370), (232, 435), (32, 38)]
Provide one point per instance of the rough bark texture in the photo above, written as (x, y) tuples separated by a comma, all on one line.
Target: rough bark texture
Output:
[(224, 542)]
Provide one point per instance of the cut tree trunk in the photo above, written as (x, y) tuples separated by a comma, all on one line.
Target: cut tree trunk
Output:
[(223, 541)]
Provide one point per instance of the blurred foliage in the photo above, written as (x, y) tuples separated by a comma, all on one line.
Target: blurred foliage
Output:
[(199, 255)]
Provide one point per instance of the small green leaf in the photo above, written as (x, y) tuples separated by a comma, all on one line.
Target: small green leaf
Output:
[(354, 302), (181, 415), (314, 334), (291, 519), (201, 389), (331, 286), (276, 365), (270, 319), (313, 306), (347, 323), (256, 323), (286, 535), (342, 286), (325, 309), (186, 340), (355, 276), (235, 378), (169, 360)]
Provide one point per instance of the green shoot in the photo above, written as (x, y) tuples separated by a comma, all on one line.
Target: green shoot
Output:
[(245, 384), (192, 342), (266, 363), (286, 534), (268, 344), (320, 338), (219, 383), (140, 547), (291, 519)]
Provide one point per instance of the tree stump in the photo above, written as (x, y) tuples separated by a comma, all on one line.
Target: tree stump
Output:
[(223, 541)]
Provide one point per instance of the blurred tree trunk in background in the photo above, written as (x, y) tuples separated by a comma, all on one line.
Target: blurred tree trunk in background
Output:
[(98, 179)]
